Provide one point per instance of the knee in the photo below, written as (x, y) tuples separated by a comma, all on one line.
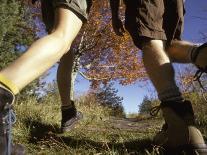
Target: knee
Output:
[(153, 45), (172, 48), (64, 39)]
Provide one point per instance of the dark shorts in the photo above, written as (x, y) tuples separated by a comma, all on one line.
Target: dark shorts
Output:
[(78, 7), (154, 19)]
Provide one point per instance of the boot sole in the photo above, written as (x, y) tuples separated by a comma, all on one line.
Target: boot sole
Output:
[(198, 149)]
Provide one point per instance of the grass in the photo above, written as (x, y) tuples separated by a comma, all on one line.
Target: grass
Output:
[(37, 128)]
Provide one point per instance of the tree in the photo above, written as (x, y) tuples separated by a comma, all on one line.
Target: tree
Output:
[(100, 56), (16, 33), (107, 96), (109, 57), (145, 106)]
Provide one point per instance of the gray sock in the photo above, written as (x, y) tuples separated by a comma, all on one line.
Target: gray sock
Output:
[(192, 53), (170, 94)]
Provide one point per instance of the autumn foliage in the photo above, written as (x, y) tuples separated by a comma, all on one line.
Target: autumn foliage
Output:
[(101, 56), (107, 56)]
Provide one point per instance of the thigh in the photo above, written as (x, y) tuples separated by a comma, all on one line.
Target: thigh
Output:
[(144, 19), (79, 7), (67, 24)]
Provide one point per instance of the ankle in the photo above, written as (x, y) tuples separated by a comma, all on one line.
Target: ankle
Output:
[(170, 94), (69, 105), (198, 55)]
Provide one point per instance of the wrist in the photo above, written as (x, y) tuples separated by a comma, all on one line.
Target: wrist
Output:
[(115, 17)]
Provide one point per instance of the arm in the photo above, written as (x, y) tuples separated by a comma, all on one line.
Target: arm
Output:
[(116, 22), (115, 8)]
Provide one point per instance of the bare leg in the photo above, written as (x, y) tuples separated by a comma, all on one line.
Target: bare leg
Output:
[(159, 69), (161, 72), (46, 51), (64, 78), (179, 51)]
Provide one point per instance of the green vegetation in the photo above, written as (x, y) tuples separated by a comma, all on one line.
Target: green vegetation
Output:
[(16, 30), (107, 96), (99, 133), (16, 33), (37, 128)]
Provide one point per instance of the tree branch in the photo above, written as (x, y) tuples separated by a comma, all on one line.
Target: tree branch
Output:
[(89, 78)]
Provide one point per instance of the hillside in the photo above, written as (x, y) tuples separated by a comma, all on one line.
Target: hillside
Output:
[(98, 133)]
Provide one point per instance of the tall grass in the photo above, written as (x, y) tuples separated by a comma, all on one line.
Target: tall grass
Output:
[(38, 124)]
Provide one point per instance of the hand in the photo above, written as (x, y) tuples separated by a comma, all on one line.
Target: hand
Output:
[(118, 26), (33, 1)]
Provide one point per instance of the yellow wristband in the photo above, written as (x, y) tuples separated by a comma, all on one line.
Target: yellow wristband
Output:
[(9, 84)]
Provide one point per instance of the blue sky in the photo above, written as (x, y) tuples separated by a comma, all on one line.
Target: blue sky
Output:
[(195, 20), (195, 23)]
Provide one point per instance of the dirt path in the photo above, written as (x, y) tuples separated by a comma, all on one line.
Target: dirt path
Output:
[(134, 124), (128, 124)]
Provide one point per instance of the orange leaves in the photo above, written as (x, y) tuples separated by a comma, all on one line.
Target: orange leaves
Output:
[(111, 57)]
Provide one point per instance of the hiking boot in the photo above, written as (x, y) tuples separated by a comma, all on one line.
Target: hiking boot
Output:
[(70, 116), (7, 119), (179, 134), (202, 65)]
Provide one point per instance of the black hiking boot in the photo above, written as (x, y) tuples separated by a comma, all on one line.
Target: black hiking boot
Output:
[(179, 135), (7, 119), (70, 116), (202, 66)]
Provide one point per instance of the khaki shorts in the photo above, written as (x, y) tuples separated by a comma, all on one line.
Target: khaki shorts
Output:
[(154, 19), (79, 7)]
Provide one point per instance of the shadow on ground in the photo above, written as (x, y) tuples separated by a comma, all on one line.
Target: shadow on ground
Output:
[(41, 133), (49, 135)]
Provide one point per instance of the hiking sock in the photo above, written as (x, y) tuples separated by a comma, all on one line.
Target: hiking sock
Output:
[(191, 52), (68, 112), (198, 55), (65, 107), (69, 105), (9, 84), (170, 94)]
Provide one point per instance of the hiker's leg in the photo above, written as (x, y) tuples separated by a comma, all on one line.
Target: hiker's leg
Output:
[(160, 70), (183, 52), (43, 53), (178, 114), (64, 74), (179, 51), (70, 115)]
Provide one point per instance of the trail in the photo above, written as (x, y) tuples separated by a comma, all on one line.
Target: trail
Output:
[(133, 123), (128, 124)]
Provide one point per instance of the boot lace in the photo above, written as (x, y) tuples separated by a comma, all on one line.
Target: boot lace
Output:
[(155, 110), (9, 120), (198, 75)]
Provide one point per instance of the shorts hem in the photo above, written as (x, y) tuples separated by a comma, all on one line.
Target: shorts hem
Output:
[(79, 13)]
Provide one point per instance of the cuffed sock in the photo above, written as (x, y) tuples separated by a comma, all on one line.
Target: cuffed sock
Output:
[(192, 53), (198, 55), (68, 106), (170, 94)]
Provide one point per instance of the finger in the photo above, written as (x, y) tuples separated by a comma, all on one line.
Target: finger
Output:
[(119, 32), (122, 29)]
